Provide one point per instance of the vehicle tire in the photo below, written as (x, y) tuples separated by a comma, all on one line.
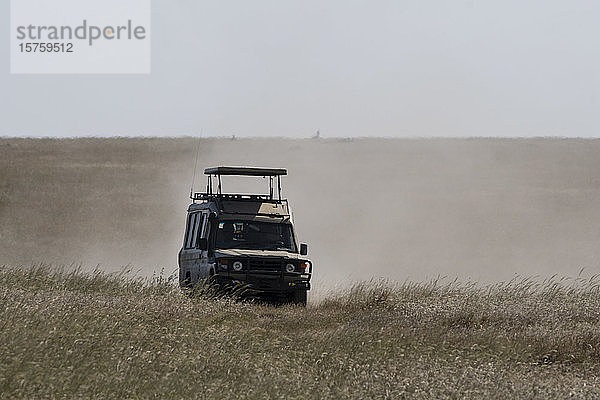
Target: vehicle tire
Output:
[(186, 283), (299, 297)]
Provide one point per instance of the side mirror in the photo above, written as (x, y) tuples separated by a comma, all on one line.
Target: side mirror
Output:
[(303, 249), (202, 244)]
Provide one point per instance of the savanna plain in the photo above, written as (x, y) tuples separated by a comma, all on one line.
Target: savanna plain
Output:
[(445, 268)]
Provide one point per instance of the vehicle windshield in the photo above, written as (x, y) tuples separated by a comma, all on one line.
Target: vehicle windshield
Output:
[(252, 235)]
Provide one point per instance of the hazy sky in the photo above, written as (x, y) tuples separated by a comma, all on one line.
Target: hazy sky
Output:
[(348, 68)]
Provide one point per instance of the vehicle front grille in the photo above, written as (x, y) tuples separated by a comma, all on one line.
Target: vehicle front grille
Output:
[(265, 264)]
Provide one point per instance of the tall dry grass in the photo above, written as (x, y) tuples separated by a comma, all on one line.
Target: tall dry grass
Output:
[(65, 333)]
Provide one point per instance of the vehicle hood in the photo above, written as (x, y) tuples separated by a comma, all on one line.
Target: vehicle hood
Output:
[(255, 253)]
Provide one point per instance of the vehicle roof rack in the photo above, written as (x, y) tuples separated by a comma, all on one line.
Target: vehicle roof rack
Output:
[(245, 171), (234, 196), (217, 172)]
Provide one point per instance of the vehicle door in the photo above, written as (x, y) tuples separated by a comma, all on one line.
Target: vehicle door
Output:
[(190, 254), (206, 264)]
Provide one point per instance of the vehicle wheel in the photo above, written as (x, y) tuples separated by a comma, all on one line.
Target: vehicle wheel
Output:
[(187, 282), (299, 297)]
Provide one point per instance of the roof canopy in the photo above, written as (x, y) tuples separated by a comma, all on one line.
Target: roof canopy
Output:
[(246, 171)]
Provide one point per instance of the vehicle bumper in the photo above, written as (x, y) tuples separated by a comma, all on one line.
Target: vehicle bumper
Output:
[(268, 283)]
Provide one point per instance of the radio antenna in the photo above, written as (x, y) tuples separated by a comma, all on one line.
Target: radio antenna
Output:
[(195, 166)]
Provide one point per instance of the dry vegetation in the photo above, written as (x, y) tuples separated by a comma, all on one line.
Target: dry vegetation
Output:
[(479, 208), (70, 334)]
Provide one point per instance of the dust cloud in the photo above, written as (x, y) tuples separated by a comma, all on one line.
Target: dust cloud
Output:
[(403, 209)]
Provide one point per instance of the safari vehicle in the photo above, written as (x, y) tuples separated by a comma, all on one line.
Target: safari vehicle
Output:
[(244, 238)]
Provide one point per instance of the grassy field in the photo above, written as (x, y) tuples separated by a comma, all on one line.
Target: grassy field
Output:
[(69, 334), (478, 209)]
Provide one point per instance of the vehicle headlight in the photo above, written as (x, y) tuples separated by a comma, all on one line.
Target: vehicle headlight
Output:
[(237, 266), (290, 267)]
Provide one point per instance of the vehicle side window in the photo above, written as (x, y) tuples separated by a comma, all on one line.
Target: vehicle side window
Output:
[(191, 229), (187, 230), (203, 227), (197, 230)]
